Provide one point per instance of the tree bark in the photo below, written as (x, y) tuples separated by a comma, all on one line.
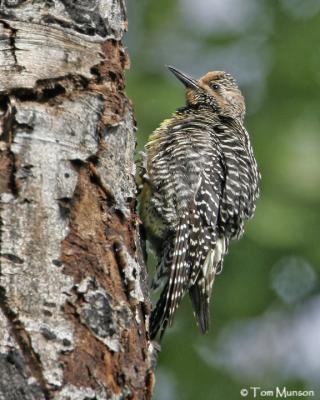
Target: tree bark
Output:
[(74, 303)]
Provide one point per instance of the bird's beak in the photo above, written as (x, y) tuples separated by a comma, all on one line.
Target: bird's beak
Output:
[(185, 79)]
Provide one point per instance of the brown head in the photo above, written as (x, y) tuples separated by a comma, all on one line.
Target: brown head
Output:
[(216, 89)]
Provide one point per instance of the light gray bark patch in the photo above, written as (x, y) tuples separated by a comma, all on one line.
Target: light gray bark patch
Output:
[(40, 52), (115, 16), (83, 393), (64, 132), (104, 18), (131, 271), (133, 277), (116, 162)]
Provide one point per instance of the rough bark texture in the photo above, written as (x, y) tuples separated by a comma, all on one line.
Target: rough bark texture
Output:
[(73, 296)]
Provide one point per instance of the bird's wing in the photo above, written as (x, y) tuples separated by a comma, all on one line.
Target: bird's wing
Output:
[(204, 254), (194, 260), (176, 283), (242, 176)]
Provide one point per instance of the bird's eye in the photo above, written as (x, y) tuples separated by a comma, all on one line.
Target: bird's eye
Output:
[(215, 86)]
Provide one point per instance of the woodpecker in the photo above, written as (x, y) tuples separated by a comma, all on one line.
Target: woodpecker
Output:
[(199, 185)]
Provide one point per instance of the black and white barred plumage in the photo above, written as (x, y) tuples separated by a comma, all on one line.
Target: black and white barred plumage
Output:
[(199, 186)]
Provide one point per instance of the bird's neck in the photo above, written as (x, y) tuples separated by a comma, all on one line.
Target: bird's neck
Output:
[(207, 111)]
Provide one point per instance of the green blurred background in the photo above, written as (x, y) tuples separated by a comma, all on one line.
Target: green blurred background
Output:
[(265, 308)]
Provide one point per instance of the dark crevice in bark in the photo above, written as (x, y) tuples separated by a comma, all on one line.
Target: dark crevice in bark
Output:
[(12, 39), (50, 89), (4, 101), (52, 20), (7, 172), (64, 207), (70, 83), (8, 160), (95, 178), (6, 119), (41, 95), (13, 258), (13, 182)]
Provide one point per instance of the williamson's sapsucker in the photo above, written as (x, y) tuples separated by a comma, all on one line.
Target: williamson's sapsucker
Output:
[(200, 184)]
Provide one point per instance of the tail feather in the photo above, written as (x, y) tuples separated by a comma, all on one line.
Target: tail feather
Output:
[(163, 265), (158, 320), (177, 281), (200, 303), (201, 284), (179, 270)]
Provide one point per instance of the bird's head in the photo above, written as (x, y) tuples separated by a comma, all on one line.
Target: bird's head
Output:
[(216, 89)]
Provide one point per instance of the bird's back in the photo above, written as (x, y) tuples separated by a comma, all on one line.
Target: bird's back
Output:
[(178, 153)]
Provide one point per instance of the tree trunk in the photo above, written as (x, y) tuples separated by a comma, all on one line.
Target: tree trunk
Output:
[(73, 293)]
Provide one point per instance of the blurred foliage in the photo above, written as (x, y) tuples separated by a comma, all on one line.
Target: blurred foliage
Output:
[(275, 55)]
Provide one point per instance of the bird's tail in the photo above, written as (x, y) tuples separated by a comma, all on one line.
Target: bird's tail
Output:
[(200, 304), (202, 241), (177, 281), (158, 319), (200, 290), (192, 260)]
